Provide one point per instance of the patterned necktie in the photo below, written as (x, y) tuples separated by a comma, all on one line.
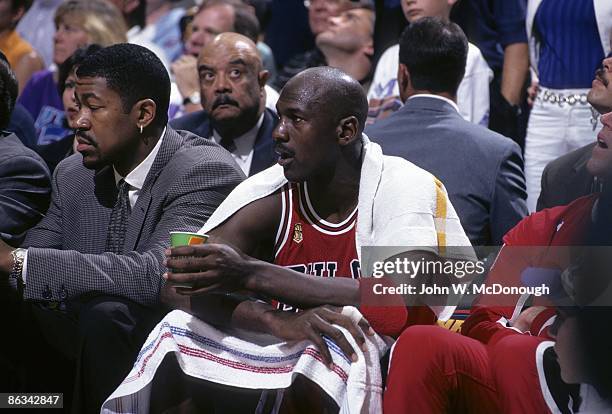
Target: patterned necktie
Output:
[(228, 144), (118, 220)]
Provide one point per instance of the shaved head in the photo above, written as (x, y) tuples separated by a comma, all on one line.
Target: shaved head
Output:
[(233, 43), (330, 91)]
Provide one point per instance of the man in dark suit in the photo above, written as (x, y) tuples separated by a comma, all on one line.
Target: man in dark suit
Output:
[(567, 178), (25, 185), (232, 81), (482, 170), (93, 266)]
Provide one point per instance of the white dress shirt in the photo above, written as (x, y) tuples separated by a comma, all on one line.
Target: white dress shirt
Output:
[(138, 175), (243, 154), (135, 179), (428, 95)]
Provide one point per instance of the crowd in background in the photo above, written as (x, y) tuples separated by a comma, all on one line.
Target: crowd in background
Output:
[(509, 109)]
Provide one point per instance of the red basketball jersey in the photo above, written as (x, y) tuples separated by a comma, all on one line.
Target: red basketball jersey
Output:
[(308, 244)]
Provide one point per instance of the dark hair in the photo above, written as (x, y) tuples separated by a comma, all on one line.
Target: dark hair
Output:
[(245, 23), (262, 11), (134, 72), (435, 53), (17, 4), (64, 69), (8, 91)]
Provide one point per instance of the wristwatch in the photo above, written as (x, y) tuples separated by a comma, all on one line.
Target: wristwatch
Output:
[(194, 98), (18, 259)]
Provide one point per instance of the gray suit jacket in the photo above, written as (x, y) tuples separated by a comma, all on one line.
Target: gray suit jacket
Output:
[(482, 170), (567, 178), (25, 189), (189, 178)]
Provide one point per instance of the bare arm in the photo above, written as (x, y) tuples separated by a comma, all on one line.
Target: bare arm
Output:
[(514, 75)]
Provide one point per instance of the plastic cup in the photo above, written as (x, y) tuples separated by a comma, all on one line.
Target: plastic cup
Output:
[(186, 238)]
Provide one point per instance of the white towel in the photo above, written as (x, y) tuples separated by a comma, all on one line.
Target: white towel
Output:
[(255, 362)]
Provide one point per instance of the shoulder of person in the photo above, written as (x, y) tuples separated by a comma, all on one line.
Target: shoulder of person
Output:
[(189, 121)]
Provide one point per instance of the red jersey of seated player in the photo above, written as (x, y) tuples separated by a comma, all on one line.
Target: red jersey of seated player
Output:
[(526, 245), (308, 244)]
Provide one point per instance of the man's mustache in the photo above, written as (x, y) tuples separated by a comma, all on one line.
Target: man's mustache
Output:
[(224, 100)]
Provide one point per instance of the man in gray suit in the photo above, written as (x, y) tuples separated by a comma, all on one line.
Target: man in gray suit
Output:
[(482, 170), (25, 183), (93, 266)]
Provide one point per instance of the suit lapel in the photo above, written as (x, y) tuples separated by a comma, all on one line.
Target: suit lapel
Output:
[(172, 141), (263, 150)]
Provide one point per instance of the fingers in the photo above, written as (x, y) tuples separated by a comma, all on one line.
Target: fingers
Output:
[(336, 335), (365, 327), (188, 264), (192, 250), (199, 279), (319, 342), (348, 324), (199, 290)]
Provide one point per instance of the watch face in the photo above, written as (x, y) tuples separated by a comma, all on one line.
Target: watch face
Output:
[(194, 98)]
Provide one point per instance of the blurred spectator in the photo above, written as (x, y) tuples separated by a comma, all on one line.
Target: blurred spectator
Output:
[(56, 151), (212, 18), (564, 62), (25, 185), (22, 125), (78, 23), (481, 170), (37, 27), (261, 10), (134, 13), (498, 29), (319, 13), (23, 59), (161, 28), (567, 178), (234, 115), (473, 93), (347, 43)]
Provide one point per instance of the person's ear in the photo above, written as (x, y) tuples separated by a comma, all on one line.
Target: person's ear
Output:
[(348, 130), (404, 82), (263, 77), (144, 112), (368, 49)]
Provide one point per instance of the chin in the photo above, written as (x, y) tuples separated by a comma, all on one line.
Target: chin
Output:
[(92, 163)]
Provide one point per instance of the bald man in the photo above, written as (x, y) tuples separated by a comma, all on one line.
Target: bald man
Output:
[(232, 81), (298, 219)]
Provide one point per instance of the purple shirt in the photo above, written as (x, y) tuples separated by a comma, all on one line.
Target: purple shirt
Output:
[(41, 99)]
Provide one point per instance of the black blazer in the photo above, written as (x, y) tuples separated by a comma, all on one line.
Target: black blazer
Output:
[(263, 152), (481, 169), (566, 179)]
